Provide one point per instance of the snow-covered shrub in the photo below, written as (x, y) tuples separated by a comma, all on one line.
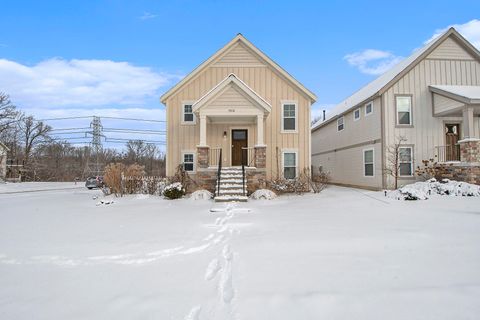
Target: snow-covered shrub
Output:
[(174, 191), (423, 190), (201, 195), (264, 194)]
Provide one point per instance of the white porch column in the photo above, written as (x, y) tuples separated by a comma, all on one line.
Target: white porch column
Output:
[(468, 123), (260, 141), (203, 130)]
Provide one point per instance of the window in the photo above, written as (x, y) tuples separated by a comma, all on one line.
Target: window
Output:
[(404, 110), (405, 158), (289, 165), (340, 125), (368, 108), (356, 114), (188, 116), (289, 117), (188, 162), (368, 163)]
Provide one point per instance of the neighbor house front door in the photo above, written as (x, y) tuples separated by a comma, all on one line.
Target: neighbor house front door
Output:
[(239, 141), (452, 133)]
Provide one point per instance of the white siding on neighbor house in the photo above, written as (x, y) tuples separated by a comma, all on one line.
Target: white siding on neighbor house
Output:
[(346, 164), (444, 104), (450, 50), (428, 131)]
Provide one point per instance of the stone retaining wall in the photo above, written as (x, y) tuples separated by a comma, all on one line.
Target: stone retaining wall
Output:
[(459, 171)]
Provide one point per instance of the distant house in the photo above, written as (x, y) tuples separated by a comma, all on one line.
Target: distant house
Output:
[(241, 103), (3, 161), (432, 99)]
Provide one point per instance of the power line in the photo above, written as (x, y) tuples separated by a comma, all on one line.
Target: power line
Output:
[(134, 119), (65, 118)]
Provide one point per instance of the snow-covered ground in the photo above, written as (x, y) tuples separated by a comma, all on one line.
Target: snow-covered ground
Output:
[(341, 254)]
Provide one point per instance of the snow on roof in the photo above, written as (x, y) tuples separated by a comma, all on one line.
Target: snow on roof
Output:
[(468, 92), (371, 89)]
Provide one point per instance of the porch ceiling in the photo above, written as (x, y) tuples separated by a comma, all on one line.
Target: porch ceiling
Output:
[(452, 100)]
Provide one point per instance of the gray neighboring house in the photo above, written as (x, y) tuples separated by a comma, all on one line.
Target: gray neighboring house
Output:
[(431, 98), (3, 161)]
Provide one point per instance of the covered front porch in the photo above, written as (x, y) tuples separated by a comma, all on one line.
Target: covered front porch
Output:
[(231, 120), (462, 138)]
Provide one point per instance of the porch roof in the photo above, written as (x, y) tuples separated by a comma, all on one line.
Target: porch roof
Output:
[(464, 94), (232, 80)]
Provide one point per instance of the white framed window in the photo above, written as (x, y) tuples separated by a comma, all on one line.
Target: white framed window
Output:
[(404, 110), (340, 124), (368, 163), (188, 117), (289, 164), (368, 108), (188, 161), (356, 114), (405, 159), (289, 117)]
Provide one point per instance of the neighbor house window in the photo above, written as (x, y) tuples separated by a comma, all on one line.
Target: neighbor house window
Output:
[(405, 157), (368, 108), (404, 110), (340, 125), (188, 116), (188, 162), (368, 163), (289, 117), (356, 114), (289, 165)]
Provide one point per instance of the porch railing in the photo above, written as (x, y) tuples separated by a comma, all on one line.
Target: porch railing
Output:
[(448, 153), (219, 172), (214, 157), (248, 156)]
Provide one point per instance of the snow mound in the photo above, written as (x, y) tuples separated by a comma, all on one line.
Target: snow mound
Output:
[(264, 194), (445, 187), (201, 195)]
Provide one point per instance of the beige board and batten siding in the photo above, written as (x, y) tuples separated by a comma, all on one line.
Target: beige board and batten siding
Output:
[(341, 152), (448, 64), (265, 81)]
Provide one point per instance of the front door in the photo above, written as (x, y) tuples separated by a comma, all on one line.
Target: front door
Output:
[(452, 133), (239, 141)]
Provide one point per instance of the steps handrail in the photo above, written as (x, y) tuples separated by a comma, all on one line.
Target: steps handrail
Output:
[(219, 172), (243, 170)]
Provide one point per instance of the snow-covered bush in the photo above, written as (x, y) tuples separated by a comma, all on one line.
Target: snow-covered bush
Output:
[(201, 195), (264, 194), (423, 190), (174, 191)]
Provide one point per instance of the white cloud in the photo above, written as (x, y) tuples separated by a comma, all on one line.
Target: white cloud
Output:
[(470, 30), (147, 16), (82, 83), (372, 61)]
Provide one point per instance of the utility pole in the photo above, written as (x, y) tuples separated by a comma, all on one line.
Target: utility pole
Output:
[(96, 146)]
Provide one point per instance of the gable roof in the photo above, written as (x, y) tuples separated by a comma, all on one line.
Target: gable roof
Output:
[(465, 94), (389, 78), (238, 38), (232, 80)]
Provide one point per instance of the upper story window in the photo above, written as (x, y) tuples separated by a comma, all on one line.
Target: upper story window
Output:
[(356, 114), (340, 124), (289, 117), (187, 114), (404, 110), (368, 108)]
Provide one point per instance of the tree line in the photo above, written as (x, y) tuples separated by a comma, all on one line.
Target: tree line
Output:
[(35, 155)]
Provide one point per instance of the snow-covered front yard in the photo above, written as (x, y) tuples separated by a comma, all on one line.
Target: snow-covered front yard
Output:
[(342, 254)]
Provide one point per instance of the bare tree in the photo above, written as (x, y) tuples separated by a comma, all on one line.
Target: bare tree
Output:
[(392, 166), (8, 112), (32, 133), (136, 150)]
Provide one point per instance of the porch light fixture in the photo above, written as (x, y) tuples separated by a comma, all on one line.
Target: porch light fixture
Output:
[(224, 134)]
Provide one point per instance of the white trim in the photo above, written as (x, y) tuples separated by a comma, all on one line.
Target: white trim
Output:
[(343, 123), (182, 120), (411, 162), (359, 114), (296, 161), (194, 153), (365, 106), (373, 162), (289, 102)]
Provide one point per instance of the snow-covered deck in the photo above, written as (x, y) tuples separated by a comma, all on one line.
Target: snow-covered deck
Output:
[(343, 254)]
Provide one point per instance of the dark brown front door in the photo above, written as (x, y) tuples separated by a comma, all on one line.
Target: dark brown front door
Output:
[(239, 141), (452, 133)]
